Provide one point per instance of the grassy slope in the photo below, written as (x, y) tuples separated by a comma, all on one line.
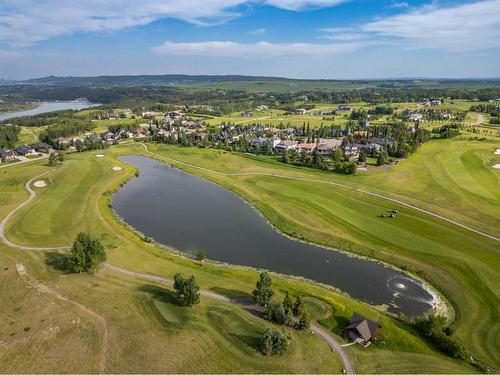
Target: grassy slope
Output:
[(461, 264), (128, 251)]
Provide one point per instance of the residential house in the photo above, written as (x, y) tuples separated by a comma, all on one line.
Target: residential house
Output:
[(41, 147), (326, 146), (127, 112), (246, 114), (307, 148), (363, 123), (416, 117), (6, 155), (344, 108), (382, 140), (351, 150), (301, 111), (361, 330), (25, 151), (262, 107), (286, 145)]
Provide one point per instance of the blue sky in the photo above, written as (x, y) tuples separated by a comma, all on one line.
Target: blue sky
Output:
[(291, 38)]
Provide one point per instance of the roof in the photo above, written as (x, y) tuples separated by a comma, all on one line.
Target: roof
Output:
[(366, 328), (307, 145)]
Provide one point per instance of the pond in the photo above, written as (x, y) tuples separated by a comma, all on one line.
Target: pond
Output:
[(189, 214), (49, 107)]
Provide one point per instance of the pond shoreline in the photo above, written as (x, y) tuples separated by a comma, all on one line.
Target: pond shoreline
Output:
[(438, 304)]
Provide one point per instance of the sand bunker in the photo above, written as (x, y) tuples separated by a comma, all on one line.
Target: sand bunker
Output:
[(117, 168), (496, 166), (99, 156), (42, 183), (497, 152)]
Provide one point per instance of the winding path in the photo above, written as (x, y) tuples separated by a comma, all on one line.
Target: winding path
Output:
[(102, 322), (325, 335), (348, 366), (400, 202), (32, 195)]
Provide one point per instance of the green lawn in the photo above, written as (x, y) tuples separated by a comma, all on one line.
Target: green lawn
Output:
[(139, 323), (463, 265)]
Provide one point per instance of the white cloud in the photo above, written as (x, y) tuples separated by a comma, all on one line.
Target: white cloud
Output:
[(402, 4), (25, 22), (466, 27), (257, 31), (303, 4), (260, 50), (342, 34)]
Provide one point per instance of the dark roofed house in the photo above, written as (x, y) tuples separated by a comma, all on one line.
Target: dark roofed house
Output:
[(361, 330), (25, 151), (41, 147)]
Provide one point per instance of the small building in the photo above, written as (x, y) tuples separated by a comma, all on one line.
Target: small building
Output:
[(301, 111), (262, 107), (246, 114), (361, 330)]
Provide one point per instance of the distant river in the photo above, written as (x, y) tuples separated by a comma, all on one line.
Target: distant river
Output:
[(49, 107), (190, 214)]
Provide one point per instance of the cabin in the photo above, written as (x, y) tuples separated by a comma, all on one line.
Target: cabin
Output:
[(361, 329)]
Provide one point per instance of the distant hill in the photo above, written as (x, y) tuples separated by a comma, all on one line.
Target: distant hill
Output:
[(146, 80)]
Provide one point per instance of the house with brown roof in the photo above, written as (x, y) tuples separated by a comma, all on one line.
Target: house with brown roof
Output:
[(307, 148), (361, 329)]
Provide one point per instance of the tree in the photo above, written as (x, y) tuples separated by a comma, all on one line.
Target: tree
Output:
[(187, 290), (87, 253), (60, 157), (362, 157), (381, 158), (298, 306), (52, 159), (201, 256), (304, 320), (263, 291), (287, 303), (273, 342)]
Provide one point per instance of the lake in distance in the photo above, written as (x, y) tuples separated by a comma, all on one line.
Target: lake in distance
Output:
[(49, 107)]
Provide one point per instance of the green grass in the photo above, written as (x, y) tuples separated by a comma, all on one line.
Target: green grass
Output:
[(462, 265), (138, 338)]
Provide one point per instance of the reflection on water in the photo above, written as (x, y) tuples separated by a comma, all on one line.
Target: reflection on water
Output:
[(187, 213)]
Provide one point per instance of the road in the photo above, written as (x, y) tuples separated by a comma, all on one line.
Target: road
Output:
[(349, 368), (394, 200), (23, 161)]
